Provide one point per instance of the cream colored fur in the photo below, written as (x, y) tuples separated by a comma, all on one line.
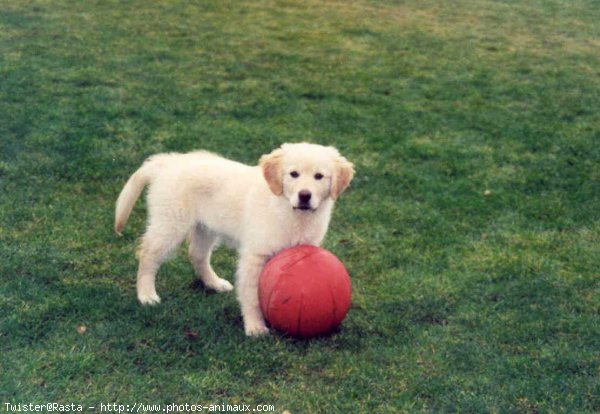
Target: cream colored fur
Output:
[(259, 210)]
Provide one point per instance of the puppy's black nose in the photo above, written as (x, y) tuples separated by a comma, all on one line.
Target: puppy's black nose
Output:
[(304, 196)]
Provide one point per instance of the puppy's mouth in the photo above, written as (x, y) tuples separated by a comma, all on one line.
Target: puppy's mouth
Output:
[(304, 207)]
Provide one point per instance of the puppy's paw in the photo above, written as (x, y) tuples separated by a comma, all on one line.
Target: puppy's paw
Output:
[(148, 298), (256, 330), (220, 285)]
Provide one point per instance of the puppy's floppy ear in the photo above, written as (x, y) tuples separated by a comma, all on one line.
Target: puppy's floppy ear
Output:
[(273, 171), (342, 175)]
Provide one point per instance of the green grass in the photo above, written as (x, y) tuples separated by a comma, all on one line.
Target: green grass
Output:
[(471, 231)]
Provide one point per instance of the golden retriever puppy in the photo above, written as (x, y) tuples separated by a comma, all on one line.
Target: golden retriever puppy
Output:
[(284, 201)]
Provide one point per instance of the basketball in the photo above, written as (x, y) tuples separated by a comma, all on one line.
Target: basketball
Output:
[(304, 291)]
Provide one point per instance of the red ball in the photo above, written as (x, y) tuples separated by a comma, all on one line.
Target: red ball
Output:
[(304, 291)]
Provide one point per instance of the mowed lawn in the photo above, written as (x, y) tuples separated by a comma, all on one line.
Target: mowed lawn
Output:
[(471, 230)]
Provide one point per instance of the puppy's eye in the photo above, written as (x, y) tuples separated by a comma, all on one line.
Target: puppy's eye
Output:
[(318, 176), (295, 174)]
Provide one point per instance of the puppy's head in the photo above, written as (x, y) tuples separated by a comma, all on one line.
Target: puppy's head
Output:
[(306, 174)]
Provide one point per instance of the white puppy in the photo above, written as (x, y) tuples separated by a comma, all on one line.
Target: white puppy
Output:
[(284, 201)]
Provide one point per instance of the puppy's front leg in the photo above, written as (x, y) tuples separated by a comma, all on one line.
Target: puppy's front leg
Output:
[(249, 268)]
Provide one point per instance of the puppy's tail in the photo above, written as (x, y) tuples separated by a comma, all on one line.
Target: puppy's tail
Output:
[(131, 192)]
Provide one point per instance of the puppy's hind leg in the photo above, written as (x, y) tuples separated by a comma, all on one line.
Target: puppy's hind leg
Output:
[(156, 246), (202, 241)]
